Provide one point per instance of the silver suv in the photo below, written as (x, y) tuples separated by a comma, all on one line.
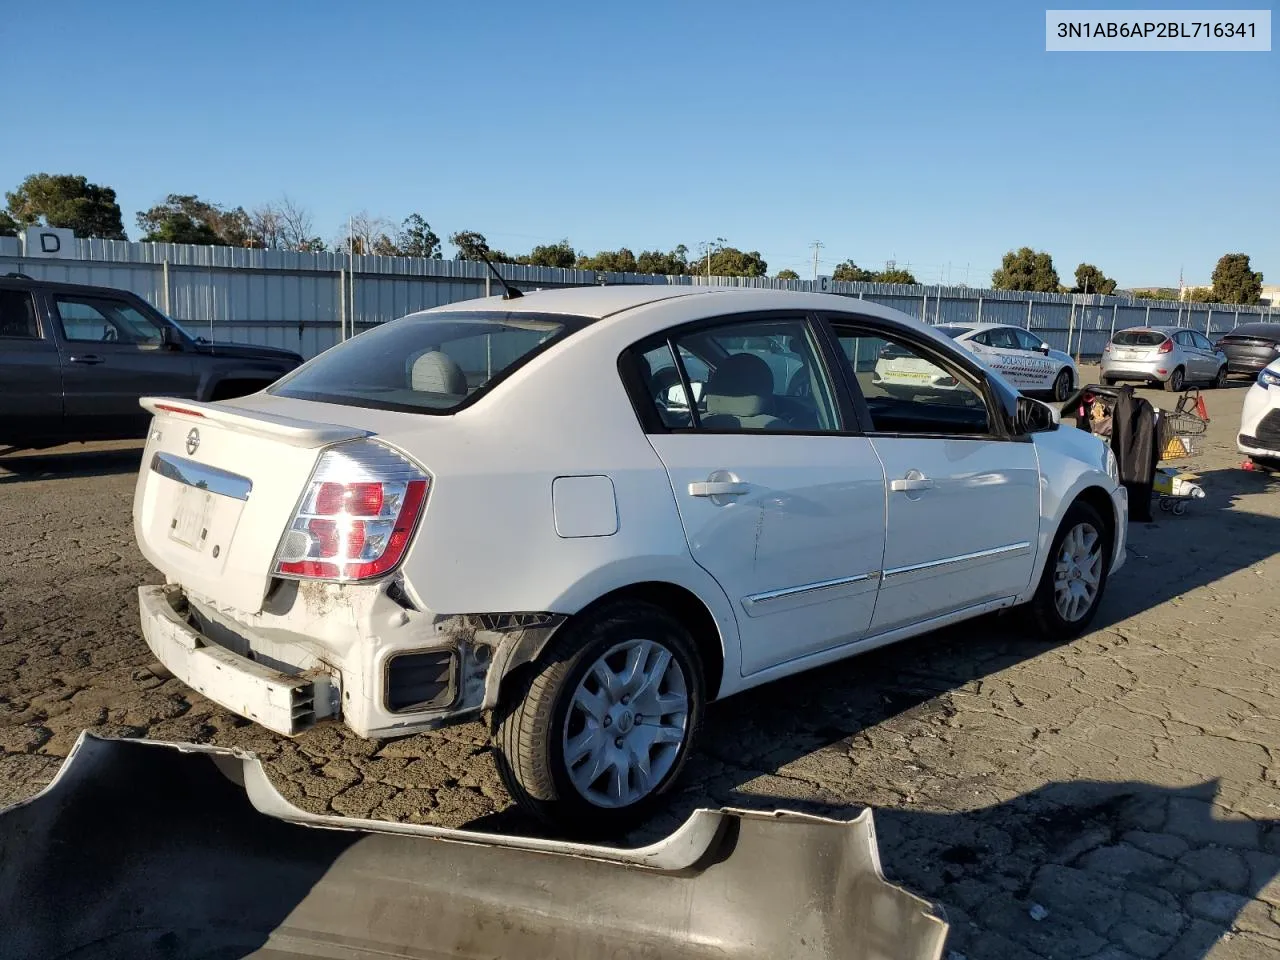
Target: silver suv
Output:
[(1170, 356)]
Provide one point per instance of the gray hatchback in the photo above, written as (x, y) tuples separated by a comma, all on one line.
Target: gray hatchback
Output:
[(1169, 356)]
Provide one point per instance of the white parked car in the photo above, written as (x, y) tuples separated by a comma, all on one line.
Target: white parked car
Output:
[(1021, 357), (1259, 435), (508, 509)]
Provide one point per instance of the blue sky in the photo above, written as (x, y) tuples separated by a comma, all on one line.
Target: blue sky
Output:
[(933, 133)]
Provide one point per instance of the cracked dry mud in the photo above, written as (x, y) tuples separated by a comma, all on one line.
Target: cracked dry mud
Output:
[(1124, 789)]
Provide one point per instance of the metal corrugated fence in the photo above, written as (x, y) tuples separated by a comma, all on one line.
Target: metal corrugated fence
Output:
[(302, 301)]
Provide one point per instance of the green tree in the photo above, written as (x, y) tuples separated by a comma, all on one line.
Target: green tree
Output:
[(417, 239), (8, 225), (472, 245), (788, 275), (732, 262), (1089, 279), (850, 272), (70, 201), (1157, 293), (1026, 269), (559, 254), (185, 218), (672, 264), (1235, 281), (610, 261), (1203, 295), (895, 275)]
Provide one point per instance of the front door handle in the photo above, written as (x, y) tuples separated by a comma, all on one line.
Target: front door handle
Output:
[(88, 358), (717, 488), (911, 483)]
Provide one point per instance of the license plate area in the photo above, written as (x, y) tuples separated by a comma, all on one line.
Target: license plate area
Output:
[(190, 523), (199, 527)]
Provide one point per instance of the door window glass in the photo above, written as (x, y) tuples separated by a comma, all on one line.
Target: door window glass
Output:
[(18, 316), (99, 320), (909, 391), (1003, 337), (1027, 341), (748, 376), (1202, 341)]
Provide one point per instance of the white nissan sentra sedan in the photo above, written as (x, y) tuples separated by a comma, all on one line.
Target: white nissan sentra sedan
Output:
[(509, 509)]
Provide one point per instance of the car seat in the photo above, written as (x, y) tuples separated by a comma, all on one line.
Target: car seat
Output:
[(739, 395)]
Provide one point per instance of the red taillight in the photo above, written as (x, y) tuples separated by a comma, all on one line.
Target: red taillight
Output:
[(357, 517), (1166, 347), (1106, 348)]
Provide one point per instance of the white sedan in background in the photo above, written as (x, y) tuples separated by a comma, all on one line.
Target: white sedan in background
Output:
[(1021, 357), (508, 508), (1259, 435)]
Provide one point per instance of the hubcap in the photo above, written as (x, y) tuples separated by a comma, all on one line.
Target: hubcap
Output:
[(1062, 386), (626, 723), (1078, 572)]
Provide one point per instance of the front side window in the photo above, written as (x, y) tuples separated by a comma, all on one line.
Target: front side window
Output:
[(426, 362), (1027, 341), (1202, 341), (1004, 338), (101, 320), (744, 377), (910, 391), (18, 316)]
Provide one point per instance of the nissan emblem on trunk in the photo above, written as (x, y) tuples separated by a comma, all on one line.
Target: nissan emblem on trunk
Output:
[(193, 442)]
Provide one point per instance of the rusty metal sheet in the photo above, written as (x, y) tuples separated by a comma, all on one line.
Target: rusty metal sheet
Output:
[(140, 849)]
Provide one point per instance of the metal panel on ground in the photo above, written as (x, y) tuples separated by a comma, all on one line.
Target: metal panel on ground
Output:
[(196, 865)]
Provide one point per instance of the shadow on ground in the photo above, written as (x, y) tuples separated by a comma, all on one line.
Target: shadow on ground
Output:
[(69, 463), (1125, 867)]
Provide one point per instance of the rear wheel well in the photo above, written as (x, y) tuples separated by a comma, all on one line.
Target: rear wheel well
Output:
[(229, 389), (692, 613)]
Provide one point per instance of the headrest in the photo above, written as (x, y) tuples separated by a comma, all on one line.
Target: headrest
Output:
[(742, 386), (436, 372)]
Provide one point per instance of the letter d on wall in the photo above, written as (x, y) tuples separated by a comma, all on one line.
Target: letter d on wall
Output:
[(48, 242)]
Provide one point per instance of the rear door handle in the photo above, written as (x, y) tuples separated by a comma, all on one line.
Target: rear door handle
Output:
[(89, 358), (913, 481), (717, 488)]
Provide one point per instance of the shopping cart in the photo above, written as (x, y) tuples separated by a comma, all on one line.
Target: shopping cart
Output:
[(1180, 434)]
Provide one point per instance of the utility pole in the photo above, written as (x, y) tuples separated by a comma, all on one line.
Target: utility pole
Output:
[(817, 245)]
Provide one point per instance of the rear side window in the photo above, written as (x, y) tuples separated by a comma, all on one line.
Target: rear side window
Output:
[(1138, 338), (427, 362), (18, 316)]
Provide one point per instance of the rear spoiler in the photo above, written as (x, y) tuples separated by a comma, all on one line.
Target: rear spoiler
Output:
[(290, 430)]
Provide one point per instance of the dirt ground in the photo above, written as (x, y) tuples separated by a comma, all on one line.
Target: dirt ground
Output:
[(1115, 797)]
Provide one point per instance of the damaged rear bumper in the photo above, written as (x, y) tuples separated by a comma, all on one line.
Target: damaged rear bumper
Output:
[(361, 655), (144, 850)]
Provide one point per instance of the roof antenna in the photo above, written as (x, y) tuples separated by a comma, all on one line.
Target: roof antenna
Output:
[(511, 292)]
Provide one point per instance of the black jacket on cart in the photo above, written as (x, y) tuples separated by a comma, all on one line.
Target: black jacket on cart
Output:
[(1134, 442)]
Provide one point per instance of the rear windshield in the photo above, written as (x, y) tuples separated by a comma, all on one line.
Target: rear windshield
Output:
[(952, 332), (426, 362), (1139, 338)]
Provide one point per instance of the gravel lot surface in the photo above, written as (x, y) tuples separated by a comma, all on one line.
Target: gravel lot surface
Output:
[(1115, 797)]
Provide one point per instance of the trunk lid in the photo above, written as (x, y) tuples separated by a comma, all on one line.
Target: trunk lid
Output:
[(218, 485)]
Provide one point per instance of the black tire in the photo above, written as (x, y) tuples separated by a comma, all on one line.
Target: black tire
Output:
[(1050, 622), (1062, 385), (1176, 380), (529, 725), (1220, 381)]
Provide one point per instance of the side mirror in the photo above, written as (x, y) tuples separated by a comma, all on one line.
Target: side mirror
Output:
[(1032, 416)]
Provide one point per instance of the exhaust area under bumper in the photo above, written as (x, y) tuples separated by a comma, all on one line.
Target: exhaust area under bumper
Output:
[(142, 849)]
